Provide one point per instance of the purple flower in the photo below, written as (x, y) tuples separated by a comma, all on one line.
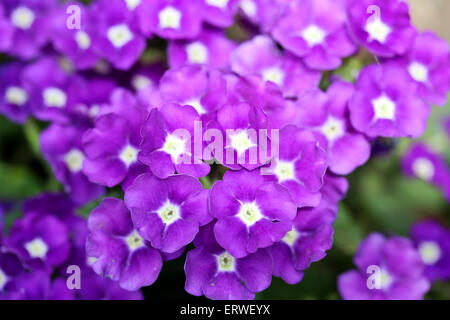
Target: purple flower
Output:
[(168, 144), (382, 26), (14, 98), (171, 19), (204, 90), (213, 272), (51, 93), (252, 213), (219, 13), (26, 285), (119, 39), (119, 252), (76, 44), (433, 243), (316, 31), (62, 148), (31, 29), (385, 103), (423, 163), (112, 146), (41, 241), (327, 116), (171, 216), (428, 65), (243, 142), (211, 47), (388, 269), (262, 57), (300, 165), (307, 242)]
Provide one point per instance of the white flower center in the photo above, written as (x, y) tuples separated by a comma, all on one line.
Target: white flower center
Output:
[(169, 212), (119, 35), (169, 17), (273, 74), (377, 30), (430, 252), (384, 108), (241, 142), (129, 155), (313, 35), (284, 171), (418, 72), (83, 40), (74, 160), (225, 262), (249, 213), (249, 7), (174, 146), (91, 260), (197, 105), (22, 18), (423, 168), (3, 279), (134, 241), (140, 82), (291, 237), (36, 248), (385, 279), (218, 3), (333, 129), (197, 52), (132, 4), (54, 97), (16, 95)]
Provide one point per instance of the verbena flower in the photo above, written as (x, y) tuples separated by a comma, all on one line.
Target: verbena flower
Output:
[(75, 44), (327, 116), (30, 27), (15, 101), (112, 146), (119, 39), (171, 19), (41, 241), (300, 165), (168, 144), (382, 26), (385, 103), (421, 162), (432, 240), (213, 272), (251, 212), (211, 47), (62, 147), (396, 273), (316, 31), (428, 64), (118, 250), (169, 219)]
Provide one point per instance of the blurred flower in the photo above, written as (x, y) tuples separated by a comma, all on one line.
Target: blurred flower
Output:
[(388, 269)]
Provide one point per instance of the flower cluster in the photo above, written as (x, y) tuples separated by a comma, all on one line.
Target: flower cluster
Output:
[(37, 255), (398, 268), (232, 146)]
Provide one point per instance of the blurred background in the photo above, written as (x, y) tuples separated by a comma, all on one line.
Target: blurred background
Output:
[(380, 199)]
